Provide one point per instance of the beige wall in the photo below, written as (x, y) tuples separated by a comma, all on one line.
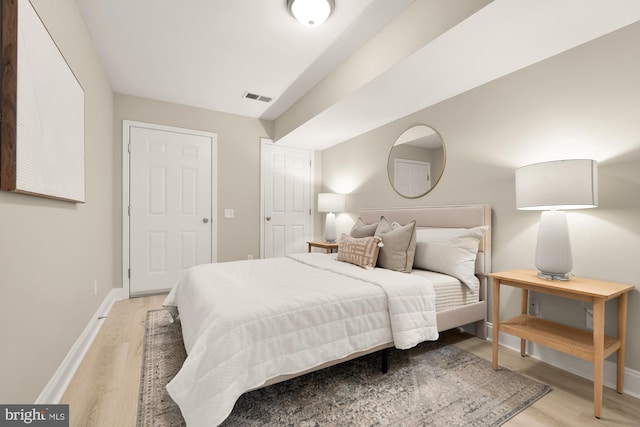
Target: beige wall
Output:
[(51, 251), (238, 165), (580, 104)]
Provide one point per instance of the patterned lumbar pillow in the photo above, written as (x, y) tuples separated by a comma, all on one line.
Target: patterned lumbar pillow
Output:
[(359, 251)]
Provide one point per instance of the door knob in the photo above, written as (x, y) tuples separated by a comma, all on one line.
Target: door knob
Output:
[(268, 218), (205, 220)]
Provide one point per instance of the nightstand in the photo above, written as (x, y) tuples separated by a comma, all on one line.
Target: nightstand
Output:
[(592, 346), (327, 246)]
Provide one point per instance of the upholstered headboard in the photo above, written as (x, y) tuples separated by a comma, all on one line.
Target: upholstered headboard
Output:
[(463, 216)]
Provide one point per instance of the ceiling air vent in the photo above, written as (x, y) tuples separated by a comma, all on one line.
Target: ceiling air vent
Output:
[(257, 97)]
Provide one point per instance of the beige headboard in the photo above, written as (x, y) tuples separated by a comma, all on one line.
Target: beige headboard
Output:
[(463, 216)]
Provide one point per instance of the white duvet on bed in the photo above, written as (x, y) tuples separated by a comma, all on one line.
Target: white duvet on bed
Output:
[(246, 322)]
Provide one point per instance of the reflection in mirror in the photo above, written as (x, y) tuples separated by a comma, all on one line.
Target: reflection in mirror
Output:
[(416, 161)]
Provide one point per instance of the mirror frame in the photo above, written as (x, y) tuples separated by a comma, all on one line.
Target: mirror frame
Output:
[(434, 182)]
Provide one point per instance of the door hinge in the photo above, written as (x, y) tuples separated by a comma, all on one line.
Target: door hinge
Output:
[(129, 148), (129, 210), (309, 211), (129, 273)]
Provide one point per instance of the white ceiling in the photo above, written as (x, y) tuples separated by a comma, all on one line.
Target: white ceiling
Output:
[(207, 53)]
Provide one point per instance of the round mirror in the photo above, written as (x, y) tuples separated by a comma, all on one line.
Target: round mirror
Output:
[(416, 161)]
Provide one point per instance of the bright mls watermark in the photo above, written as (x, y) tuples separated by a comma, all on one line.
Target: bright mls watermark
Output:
[(34, 415)]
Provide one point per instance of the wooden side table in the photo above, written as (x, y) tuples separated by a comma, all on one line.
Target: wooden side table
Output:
[(327, 246), (592, 346)]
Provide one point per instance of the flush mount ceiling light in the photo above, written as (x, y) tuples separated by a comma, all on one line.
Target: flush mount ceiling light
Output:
[(311, 13)]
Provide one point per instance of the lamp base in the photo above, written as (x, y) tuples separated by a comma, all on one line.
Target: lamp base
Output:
[(553, 276), (330, 235), (553, 251)]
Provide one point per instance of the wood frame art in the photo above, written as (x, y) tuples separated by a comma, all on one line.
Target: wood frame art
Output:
[(42, 128)]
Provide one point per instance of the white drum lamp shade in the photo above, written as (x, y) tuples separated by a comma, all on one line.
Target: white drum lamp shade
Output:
[(552, 187), (330, 203)]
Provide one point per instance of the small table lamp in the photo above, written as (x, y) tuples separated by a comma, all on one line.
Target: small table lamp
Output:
[(549, 186), (330, 202)]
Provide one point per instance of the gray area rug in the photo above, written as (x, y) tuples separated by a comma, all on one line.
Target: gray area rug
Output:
[(432, 384)]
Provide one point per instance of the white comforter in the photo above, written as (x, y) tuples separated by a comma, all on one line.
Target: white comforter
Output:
[(246, 322)]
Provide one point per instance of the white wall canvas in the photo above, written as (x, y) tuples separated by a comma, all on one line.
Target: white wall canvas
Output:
[(49, 115)]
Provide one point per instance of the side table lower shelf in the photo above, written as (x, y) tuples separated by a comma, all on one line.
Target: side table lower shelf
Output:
[(570, 340)]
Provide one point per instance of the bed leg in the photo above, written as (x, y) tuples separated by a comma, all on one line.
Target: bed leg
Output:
[(481, 329), (385, 361)]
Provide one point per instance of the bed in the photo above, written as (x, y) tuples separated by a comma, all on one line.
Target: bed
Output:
[(250, 324)]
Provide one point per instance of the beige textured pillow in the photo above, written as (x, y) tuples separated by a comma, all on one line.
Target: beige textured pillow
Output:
[(362, 229), (399, 245), (359, 251)]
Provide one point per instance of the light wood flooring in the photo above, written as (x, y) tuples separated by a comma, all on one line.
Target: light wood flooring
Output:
[(104, 390)]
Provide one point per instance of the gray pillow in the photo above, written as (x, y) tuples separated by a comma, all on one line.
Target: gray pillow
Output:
[(399, 245), (362, 229)]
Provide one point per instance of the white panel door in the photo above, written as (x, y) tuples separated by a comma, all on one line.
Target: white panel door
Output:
[(412, 178), (170, 217), (286, 177)]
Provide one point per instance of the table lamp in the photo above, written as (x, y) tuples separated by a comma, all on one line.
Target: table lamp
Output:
[(553, 187), (330, 203)]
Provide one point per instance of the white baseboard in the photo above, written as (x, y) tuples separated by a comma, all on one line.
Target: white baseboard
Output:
[(572, 364), (53, 391)]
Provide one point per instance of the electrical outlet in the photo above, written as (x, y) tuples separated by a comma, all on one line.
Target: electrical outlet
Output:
[(229, 213), (534, 305)]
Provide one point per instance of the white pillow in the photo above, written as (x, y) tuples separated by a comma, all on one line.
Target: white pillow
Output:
[(450, 251)]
